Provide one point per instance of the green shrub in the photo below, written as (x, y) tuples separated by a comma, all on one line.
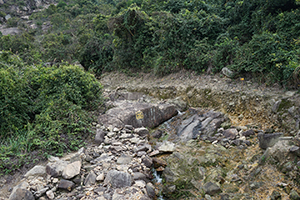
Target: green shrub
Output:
[(47, 109)]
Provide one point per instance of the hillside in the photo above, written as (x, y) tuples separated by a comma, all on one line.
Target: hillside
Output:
[(41, 63)]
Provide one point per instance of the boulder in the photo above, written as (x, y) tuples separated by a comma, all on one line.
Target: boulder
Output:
[(137, 114), (37, 170), (118, 179), (90, 179), (268, 140), (211, 188), (66, 185), (99, 137), (56, 168), (167, 147), (21, 194), (71, 170)]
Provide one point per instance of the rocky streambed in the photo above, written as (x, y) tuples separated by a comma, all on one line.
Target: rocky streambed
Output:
[(242, 145)]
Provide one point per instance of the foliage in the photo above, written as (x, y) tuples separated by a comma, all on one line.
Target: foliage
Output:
[(48, 109)]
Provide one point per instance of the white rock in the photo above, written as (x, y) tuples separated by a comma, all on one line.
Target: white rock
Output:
[(37, 170), (71, 170), (50, 194)]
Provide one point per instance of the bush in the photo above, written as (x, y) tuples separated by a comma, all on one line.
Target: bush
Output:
[(46, 109)]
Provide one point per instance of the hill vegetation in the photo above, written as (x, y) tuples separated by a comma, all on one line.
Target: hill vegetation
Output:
[(45, 101)]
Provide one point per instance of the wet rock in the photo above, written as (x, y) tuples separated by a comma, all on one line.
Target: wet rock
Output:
[(268, 140), (21, 194), (66, 185), (71, 170), (99, 138), (167, 147), (37, 170), (118, 179), (230, 133), (211, 188), (189, 128), (90, 179), (294, 195), (137, 114)]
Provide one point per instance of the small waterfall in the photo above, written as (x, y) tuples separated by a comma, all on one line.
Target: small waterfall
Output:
[(157, 180)]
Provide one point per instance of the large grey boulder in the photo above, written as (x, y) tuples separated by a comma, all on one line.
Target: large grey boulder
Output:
[(118, 179), (137, 114)]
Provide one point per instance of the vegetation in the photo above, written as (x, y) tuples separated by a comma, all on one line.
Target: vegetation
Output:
[(260, 38)]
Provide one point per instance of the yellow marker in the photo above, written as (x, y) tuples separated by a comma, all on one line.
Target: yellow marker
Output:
[(242, 79), (139, 115)]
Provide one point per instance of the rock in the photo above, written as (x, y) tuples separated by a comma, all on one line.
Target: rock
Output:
[(227, 72), (21, 194), (141, 131), (147, 161), (90, 179), (157, 134), (279, 151), (230, 133), (140, 176), (268, 140), (66, 185), (190, 128), (180, 104), (100, 177), (56, 168), (50, 194), (99, 137), (275, 195), (37, 170), (157, 162), (118, 179), (211, 188), (150, 190), (167, 147), (295, 150), (248, 133), (276, 105), (137, 114), (294, 195), (71, 170), (124, 159)]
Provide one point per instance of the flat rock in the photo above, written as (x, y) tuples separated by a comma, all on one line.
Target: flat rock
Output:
[(230, 133), (142, 131)]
